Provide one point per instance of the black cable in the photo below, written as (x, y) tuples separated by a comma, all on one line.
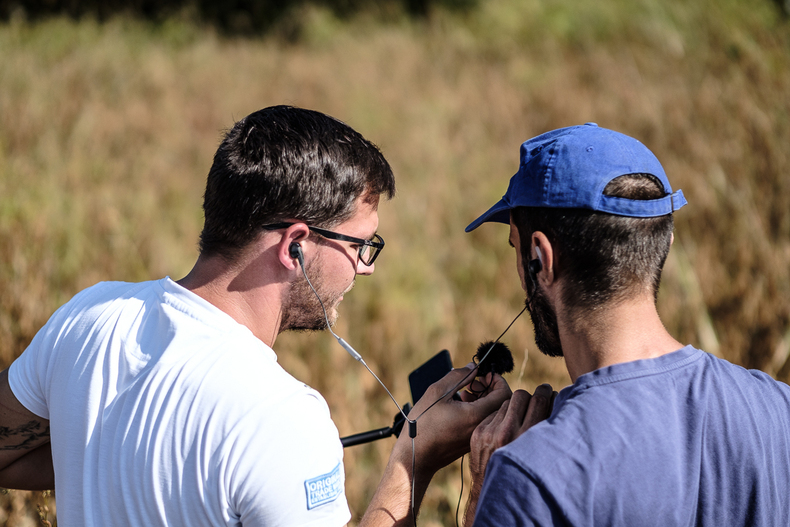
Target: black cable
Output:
[(460, 494), (412, 423), (413, 467), (462, 381)]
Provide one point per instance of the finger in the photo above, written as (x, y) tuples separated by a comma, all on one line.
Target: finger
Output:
[(516, 412), (467, 397), (503, 426), (495, 383), (488, 426), (492, 400), (501, 414), (485, 439), (483, 385), (459, 376), (539, 407), (494, 419), (519, 402), (478, 386), (489, 383), (477, 390)]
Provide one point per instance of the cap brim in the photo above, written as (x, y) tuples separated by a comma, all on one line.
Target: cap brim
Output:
[(499, 213)]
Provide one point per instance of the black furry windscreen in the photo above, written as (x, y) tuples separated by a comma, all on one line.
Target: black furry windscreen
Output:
[(499, 360)]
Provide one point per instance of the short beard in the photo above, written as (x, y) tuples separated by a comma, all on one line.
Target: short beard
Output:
[(544, 320), (302, 310)]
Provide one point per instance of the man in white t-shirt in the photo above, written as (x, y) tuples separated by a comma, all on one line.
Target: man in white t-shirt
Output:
[(162, 403)]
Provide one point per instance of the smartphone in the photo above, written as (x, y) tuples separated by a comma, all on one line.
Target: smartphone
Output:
[(431, 371)]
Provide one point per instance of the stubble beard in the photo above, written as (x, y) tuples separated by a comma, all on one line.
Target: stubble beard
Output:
[(544, 321), (302, 310)]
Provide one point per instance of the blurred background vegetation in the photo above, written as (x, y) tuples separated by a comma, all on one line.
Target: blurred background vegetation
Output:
[(110, 114)]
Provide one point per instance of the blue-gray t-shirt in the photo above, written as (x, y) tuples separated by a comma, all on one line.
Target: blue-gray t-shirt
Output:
[(683, 439)]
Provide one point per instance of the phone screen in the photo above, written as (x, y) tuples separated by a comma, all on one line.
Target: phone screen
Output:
[(431, 371)]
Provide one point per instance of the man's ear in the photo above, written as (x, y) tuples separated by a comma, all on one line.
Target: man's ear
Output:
[(286, 248), (542, 249)]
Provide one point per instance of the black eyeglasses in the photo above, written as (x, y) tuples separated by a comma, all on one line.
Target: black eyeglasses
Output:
[(368, 250)]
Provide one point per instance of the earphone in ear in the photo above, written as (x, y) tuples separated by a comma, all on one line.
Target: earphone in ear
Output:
[(295, 251), (536, 265)]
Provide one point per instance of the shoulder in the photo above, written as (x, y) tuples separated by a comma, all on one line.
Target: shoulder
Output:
[(609, 412), (718, 368), (94, 303), (238, 377), (111, 291)]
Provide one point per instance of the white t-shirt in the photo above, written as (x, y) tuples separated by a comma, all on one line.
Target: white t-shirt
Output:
[(165, 411)]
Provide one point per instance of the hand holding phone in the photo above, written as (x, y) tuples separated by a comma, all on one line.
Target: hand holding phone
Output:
[(428, 373)]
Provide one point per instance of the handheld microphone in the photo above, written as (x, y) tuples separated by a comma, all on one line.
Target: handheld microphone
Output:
[(500, 360)]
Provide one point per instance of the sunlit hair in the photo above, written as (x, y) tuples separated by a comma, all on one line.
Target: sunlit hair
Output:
[(284, 163), (603, 258)]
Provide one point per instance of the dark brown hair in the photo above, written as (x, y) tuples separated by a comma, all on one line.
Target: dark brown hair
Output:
[(603, 257), (287, 163)]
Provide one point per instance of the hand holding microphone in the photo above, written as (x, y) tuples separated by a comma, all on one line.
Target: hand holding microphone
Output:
[(445, 431)]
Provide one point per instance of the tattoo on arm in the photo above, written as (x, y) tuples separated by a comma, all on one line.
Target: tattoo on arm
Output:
[(23, 437)]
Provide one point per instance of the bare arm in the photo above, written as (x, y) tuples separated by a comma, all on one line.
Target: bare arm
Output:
[(514, 417), (25, 454), (443, 435)]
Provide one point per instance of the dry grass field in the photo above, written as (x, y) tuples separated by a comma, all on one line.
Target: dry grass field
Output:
[(107, 132)]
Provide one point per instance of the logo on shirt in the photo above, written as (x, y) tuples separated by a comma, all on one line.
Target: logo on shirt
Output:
[(323, 489)]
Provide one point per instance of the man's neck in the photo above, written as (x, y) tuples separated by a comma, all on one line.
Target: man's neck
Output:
[(241, 291), (627, 331)]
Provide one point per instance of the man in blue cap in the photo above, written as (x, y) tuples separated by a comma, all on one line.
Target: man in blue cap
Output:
[(651, 432)]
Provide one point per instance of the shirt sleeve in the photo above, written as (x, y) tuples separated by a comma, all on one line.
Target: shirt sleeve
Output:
[(27, 375), (511, 496), (30, 375), (292, 473)]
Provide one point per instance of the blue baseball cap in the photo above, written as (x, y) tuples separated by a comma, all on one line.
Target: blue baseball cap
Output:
[(570, 167)]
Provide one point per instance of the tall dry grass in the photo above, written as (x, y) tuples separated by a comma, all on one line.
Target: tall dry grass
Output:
[(108, 131)]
